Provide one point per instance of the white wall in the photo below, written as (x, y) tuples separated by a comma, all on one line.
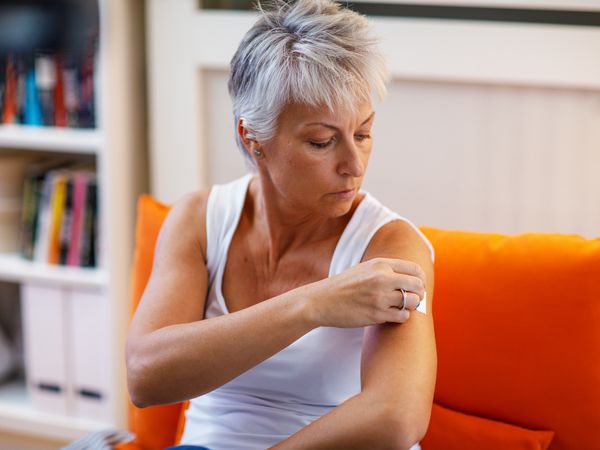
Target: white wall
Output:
[(487, 126), (465, 156)]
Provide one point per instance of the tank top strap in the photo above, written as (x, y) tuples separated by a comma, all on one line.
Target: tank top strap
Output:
[(223, 209), (369, 216)]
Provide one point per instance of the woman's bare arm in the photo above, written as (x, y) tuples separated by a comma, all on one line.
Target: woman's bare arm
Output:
[(172, 354), (398, 371)]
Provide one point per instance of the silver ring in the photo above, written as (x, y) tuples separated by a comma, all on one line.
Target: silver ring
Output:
[(403, 299)]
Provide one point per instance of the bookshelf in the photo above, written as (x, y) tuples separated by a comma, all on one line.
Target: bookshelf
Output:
[(18, 416), (118, 147), (16, 269), (64, 140)]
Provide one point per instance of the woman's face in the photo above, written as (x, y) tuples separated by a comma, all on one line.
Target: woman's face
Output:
[(317, 160)]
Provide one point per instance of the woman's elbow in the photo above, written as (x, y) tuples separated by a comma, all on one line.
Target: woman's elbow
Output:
[(409, 431), (137, 378), (412, 432), (137, 394), (138, 400)]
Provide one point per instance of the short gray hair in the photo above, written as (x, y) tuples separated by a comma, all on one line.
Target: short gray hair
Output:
[(313, 52)]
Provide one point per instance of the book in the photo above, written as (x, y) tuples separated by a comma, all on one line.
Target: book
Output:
[(44, 219), (45, 79), (66, 228), (77, 222), (28, 214), (88, 242), (86, 93), (33, 109), (60, 112), (71, 94), (57, 210), (9, 109), (2, 84), (21, 67)]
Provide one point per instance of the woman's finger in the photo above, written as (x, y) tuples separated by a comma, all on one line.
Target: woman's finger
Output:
[(411, 300), (409, 284), (404, 266), (398, 315)]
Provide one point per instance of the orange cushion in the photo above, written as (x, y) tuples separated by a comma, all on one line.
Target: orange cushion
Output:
[(155, 426), (516, 329), (517, 333), (452, 430), (181, 422)]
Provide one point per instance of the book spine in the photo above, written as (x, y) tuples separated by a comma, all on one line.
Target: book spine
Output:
[(67, 222), (57, 205), (38, 185), (45, 78), (87, 70), (2, 83), (79, 201), (9, 110), (21, 65), (71, 96), (33, 109), (60, 112), (88, 241), (44, 217), (26, 213)]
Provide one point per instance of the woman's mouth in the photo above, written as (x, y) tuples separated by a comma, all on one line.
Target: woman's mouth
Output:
[(344, 194)]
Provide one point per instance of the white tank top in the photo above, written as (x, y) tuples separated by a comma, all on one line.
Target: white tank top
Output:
[(305, 380)]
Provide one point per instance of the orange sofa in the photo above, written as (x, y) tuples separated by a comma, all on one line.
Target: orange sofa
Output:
[(517, 322)]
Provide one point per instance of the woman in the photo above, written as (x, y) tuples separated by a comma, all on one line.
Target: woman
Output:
[(284, 303)]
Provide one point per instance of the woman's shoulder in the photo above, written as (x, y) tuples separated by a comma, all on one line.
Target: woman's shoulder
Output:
[(190, 211), (187, 217), (396, 232), (191, 204), (393, 229)]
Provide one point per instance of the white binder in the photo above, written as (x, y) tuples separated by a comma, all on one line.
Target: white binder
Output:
[(89, 339), (44, 329)]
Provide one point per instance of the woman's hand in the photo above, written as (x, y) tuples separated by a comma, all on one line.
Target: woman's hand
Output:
[(367, 294)]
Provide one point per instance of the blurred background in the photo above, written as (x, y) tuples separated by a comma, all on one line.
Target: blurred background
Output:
[(492, 123)]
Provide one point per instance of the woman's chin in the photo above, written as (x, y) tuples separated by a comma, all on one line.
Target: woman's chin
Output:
[(338, 208)]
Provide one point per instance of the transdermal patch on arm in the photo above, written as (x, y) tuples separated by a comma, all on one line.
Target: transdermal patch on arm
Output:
[(423, 305)]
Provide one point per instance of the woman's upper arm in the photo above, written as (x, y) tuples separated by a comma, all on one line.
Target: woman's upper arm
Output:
[(177, 288), (399, 361)]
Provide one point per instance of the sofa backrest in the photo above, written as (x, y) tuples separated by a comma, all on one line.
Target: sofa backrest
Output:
[(516, 320), (155, 427)]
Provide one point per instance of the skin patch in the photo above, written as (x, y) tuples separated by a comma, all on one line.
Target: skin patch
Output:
[(423, 306)]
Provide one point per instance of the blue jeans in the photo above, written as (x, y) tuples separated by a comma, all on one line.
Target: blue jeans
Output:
[(187, 447)]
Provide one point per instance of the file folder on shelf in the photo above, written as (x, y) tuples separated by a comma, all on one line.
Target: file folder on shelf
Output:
[(89, 348), (44, 329)]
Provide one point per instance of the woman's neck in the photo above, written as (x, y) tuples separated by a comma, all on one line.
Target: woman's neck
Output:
[(283, 227)]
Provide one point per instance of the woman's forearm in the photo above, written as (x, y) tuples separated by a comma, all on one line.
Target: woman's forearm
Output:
[(186, 360), (356, 424)]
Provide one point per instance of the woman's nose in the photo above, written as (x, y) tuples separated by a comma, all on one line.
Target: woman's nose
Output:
[(351, 162)]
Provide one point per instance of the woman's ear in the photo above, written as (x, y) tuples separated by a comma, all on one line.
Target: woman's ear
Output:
[(247, 138)]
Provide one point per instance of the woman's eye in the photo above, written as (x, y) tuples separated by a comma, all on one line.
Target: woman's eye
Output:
[(321, 144), (362, 137)]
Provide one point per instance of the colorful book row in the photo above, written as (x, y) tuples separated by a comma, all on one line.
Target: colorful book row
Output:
[(59, 222), (49, 90)]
